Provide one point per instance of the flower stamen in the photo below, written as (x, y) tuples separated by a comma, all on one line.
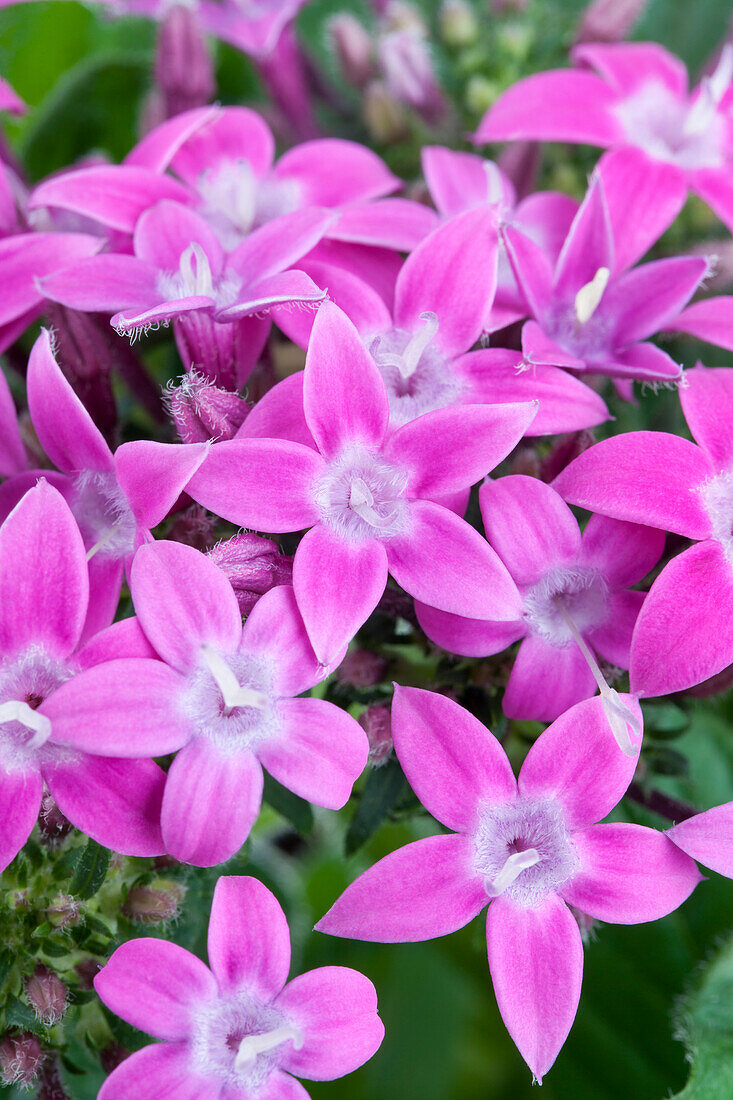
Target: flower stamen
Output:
[(233, 693), (252, 1046), (588, 298), (15, 710), (407, 361), (512, 869)]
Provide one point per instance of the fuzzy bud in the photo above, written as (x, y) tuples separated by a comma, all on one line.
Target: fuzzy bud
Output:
[(609, 20), (362, 669), (377, 725), (384, 117), (50, 1086), (253, 566), (153, 905), (352, 46), (51, 822), (194, 526), (64, 913), (46, 995), (113, 1056), (20, 1059), (407, 69), (458, 24), (183, 69), (202, 411)]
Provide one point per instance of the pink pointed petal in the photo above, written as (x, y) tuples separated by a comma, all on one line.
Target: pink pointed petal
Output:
[(44, 586), (183, 602), (211, 802), (13, 459), (553, 106), (279, 243), (452, 274), (459, 181), (332, 172), (116, 802), (105, 584), (122, 639), (260, 483), (538, 665), (360, 302), (115, 195), (612, 639), (344, 397), (153, 475), (428, 888), (319, 752), (628, 874), (540, 349), (161, 1069), (546, 217), (623, 552), (160, 145), (103, 284), (588, 246), (536, 964), (388, 223), (710, 320), (529, 525), (337, 585), (165, 231), (715, 187), (451, 449), (684, 633), (659, 191), (20, 799), (65, 429), (14, 329), (645, 300), (707, 402), (249, 939), (28, 257), (230, 135), (286, 289), (444, 562), (335, 1008), (127, 707), (644, 477), (156, 986), (577, 760), (532, 269), (452, 762), (708, 838), (136, 321), (626, 65), (275, 630), (565, 403), (279, 1085), (467, 637), (279, 414)]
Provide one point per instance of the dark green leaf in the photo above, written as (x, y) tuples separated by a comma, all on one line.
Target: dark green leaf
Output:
[(706, 1027), (21, 1015), (288, 805), (381, 791), (90, 871)]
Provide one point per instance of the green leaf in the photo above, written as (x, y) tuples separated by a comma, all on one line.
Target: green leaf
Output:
[(90, 871), (380, 793), (706, 1028), (288, 805), (21, 1015)]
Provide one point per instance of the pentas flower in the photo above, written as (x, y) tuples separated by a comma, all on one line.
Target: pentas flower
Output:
[(575, 594), (116, 498), (710, 320), (13, 459), (528, 848), (589, 313), (368, 496), (638, 97), (44, 597), (684, 634), (708, 838), (236, 1030)]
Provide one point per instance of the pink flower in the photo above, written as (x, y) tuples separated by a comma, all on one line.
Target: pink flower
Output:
[(236, 1029), (13, 458), (708, 838), (639, 98), (575, 595), (367, 496), (529, 849), (44, 596), (684, 633)]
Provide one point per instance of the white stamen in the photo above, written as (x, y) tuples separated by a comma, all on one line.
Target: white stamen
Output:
[(511, 871), (588, 298), (361, 501), (17, 711), (618, 714), (407, 361), (253, 1045), (109, 534), (233, 693), (195, 272), (712, 90)]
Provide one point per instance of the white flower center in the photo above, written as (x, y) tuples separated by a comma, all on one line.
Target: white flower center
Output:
[(194, 279), (229, 700), (26, 680), (239, 1040), (588, 298), (362, 496), (234, 201), (418, 376)]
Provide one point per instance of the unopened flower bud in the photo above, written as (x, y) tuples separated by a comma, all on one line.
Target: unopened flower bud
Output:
[(362, 669), (153, 905), (113, 1056), (384, 117), (183, 69), (458, 24), (352, 47), (20, 1059), (225, 354), (46, 995), (609, 20), (193, 526), (377, 724), (202, 411), (51, 822), (86, 971), (64, 913), (50, 1086), (253, 566), (407, 69)]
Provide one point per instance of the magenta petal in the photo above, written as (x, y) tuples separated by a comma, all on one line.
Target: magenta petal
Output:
[(546, 680), (210, 804), (645, 477), (452, 762), (260, 483), (153, 475), (156, 986), (710, 320), (707, 402), (28, 257), (643, 362), (183, 601), (529, 525), (13, 459), (161, 144), (44, 585), (450, 449), (344, 397), (279, 244), (708, 838), (577, 761), (628, 874), (337, 585), (287, 289), (332, 171), (115, 195), (624, 552), (335, 1008), (715, 187), (684, 633), (275, 630), (626, 65), (445, 563), (229, 135), (612, 639), (249, 939), (539, 349), (279, 414), (469, 637), (390, 223), (105, 583), (319, 752), (103, 283), (659, 191), (459, 181), (536, 964), (117, 802), (588, 246), (649, 297), (166, 230), (20, 800), (361, 303), (532, 270), (553, 106), (426, 889), (127, 707), (159, 1070)]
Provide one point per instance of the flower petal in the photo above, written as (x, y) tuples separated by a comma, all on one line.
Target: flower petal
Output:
[(230, 135), (588, 246), (648, 298), (532, 270), (546, 680), (153, 475), (553, 106), (249, 938), (708, 838), (157, 149), (710, 320), (659, 191), (279, 414), (275, 630), (20, 798), (279, 244), (13, 459), (624, 552), (28, 257), (103, 284), (390, 223), (468, 637), (707, 402), (612, 639), (161, 1069), (332, 171), (626, 65), (166, 230), (460, 181)]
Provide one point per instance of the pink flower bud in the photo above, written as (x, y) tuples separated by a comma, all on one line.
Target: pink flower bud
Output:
[(20, 1058), (609, 20), (202, 411), (352, 46), (113, 1056), (253, 565), (153, 905), (225, 354), (362, 669), (183, 68), (407, 68), (64, 913), (51, 822), (384, 117), (195, 527), (50, 1086), (46, 995), (377, 724)]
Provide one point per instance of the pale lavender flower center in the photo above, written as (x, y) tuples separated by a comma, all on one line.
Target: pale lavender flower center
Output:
[(717, 496), (239, 1040), (523, 849), (417, 374), (362, 496), (234, 201), (194, 279), (580, 326), (580, 591), (26, 680), (229, 699), (103, 513)]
